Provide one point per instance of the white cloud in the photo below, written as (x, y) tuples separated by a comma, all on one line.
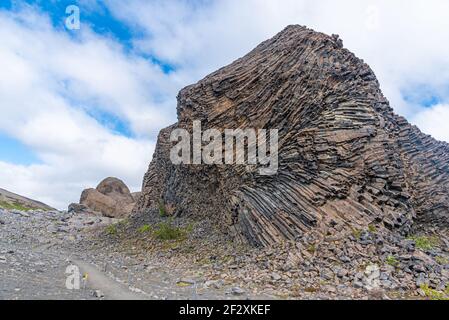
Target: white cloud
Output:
[(434, 121), (48, 82), (404, 41), (61, 178)]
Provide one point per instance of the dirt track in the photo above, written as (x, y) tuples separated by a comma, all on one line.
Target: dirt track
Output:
[(37, 247)]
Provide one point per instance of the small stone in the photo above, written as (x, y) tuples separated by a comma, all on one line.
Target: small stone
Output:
[(365, 236), (372, 270), (275, 276), (376, 294), (419, 268), (98, 294), (327, 275), (2, 259), (385, 249), (441, 286), (421, 280), (359, 275), (331, 289), (216, 284), (342, 273), (405, 257), (384, 276), (409, 245), (386, 284), (421, 256), (379, 242), (237, 291)]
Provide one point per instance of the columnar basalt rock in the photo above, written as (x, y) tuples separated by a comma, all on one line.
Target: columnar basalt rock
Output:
[(345, 158)]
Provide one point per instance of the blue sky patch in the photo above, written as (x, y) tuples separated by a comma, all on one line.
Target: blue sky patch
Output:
[(97, 16), (13, 151), (423, 95), (112, 122), (6, 4)]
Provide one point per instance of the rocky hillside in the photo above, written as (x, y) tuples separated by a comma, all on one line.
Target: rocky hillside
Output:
[(9, 200), (346, 160)]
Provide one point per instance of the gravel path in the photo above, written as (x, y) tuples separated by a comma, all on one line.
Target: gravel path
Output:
[(36, 249), (31, 266)]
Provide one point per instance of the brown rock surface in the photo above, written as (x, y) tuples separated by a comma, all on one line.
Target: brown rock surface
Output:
[(115, 188), (96, 201), (111, 198), (345, 159), (136, 195)]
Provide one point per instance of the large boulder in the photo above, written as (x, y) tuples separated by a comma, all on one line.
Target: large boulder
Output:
[(99, 202), (111, 198), (116, 189), (345, 159)]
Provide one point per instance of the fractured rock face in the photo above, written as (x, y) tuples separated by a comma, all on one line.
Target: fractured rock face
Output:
[(111, 198), (345, 159)]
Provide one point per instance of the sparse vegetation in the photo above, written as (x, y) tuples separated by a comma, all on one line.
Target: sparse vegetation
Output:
[(167, 231), (162, 210), (434, 294), (112, 229), (442, 260), (372, 228), (357, 233), (183, 284), (425, 242), (13, 206), (311, 248), (392, 261), (145, 228)]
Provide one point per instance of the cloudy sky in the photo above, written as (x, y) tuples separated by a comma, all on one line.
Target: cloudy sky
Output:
[(77, 106)]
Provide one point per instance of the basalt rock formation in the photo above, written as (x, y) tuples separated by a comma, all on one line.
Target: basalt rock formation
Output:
[(111, 198), (345, 159)]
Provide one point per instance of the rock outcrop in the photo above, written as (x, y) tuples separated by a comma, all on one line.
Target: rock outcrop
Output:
[(345, 159), (111, 198)]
